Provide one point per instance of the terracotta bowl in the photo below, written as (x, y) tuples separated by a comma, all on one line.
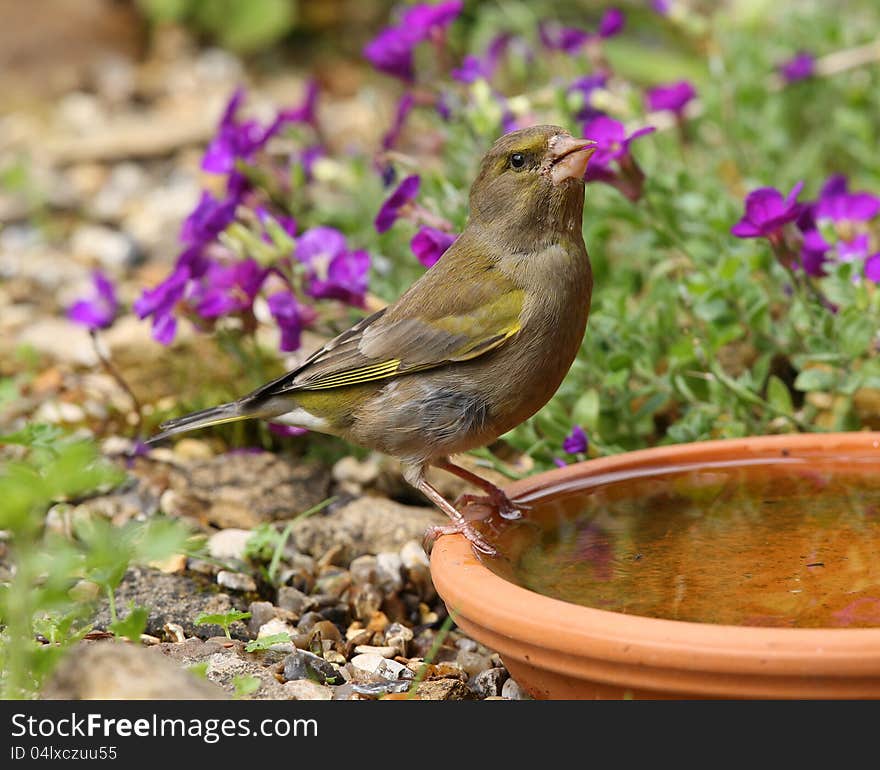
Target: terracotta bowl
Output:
[(558, 650)]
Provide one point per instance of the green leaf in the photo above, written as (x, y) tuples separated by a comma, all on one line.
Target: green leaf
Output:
[(245, 685), (265, 642), (133, 624), (778, 395), (814, 379)]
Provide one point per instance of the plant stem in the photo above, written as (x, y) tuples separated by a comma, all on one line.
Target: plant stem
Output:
[(119, 379)]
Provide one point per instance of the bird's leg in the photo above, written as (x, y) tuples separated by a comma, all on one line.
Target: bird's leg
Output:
[(495, 497), (415, 475)]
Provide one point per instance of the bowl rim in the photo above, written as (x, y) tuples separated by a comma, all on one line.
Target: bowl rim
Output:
[(475, 593)]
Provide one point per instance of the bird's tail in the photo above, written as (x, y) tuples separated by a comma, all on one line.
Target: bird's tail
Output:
[(216, 415)]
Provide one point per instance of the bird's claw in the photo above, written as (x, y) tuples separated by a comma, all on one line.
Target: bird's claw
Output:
[(461, 528), (500, 502)]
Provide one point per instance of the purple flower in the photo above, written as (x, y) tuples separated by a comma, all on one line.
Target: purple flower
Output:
[(586, 85), (160, 302), (853, 249), (423, 19), (429, 244), (286, 431), (307, 111), (99, 311), (872, 268), (766, 212), (405, 193), (404, 106), (813, 253), (334, 271), (291, 318), (475, 67), (661, 6), (800, 67), (228, 289), (559, 38), (839, 205), (576, 441), (673, 97), (209, 218), (288, 224), (613, 143), (611, 23), (391, 51)]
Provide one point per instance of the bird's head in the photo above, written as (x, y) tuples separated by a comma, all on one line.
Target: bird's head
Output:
[(532, 182)]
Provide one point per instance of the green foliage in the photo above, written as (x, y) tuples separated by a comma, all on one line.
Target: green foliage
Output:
[(245, 685), (246, 26), (46, 605), (224, 620), (266, 642)]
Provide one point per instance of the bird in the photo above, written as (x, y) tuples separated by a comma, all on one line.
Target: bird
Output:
[(475, 346)]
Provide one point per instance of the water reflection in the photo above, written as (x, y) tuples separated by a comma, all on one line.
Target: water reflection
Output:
[(782, 543)]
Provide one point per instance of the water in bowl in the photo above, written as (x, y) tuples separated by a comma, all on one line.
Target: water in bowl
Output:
[(791, 542)]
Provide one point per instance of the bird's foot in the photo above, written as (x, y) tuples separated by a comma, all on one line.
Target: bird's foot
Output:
[(497, 501), (459, 528)]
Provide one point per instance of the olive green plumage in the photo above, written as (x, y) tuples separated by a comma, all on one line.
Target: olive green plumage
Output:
[(477, 345)]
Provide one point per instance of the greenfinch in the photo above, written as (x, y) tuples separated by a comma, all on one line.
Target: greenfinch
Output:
[(473, 348)]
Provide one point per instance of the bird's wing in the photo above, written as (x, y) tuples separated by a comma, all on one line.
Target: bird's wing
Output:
[(405, 338)]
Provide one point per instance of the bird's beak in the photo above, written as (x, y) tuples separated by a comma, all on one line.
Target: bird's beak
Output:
[(569, 157)]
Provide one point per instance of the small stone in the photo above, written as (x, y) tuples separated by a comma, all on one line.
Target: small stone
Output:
[(85, 591), (236, 581), (112, 249), (378, 622), (332, 656), (512, 691), (193, 449), (398, 637), (365, 601), (307, 622), (229, 544), (376, 665), (294, 600), (363, 569), (412, 554), (368, 649), (359, 473), (444, 689), (305, 689), (472, 662), (389, 570), (333, 583), (355, 630), (490, 683), (304, 665), (261, 613), (277, 626), (467, 644), (174, 633), (327, 631)]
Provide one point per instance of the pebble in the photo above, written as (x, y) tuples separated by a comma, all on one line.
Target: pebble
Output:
[(413, 555), (371, 663), (261, 613), (444, 689), (236, 581), (333, 583), (490, 683), (365, 601), (113, 250), (174, 633), (368, 649), (472, 663), (389, 571), (277, 626), (305, 665), (290, 598), (307, 622), (512, 691), (305, 689), (466, 645), (398, 637), (363, 569), (193, 449), (327, 631), (229, 544)]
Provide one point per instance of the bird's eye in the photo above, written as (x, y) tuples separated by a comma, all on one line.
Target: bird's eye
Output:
[(517, 161)]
